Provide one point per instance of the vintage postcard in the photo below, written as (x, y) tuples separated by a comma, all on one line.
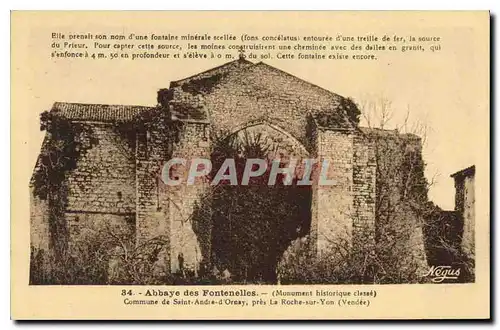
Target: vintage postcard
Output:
[(250, 165)]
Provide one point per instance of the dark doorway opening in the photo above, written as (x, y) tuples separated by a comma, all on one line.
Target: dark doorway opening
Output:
[(253, 225)]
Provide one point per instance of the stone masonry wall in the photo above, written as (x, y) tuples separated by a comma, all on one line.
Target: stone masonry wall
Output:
[(468, 213), (97, 196), (183, 198), (165, 211), (104, 179), (101, 189), (152, 205), (401, 197), (333, 223), (261, 93), (364, 181), (151, 213), (39, 226)]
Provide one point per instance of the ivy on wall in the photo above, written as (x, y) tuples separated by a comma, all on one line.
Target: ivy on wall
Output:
[(351, 109), (64, 143)]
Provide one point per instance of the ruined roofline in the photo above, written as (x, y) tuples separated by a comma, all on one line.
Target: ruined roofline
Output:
[(389, 133), (466, 172), (59, 103), (249, 65), (203, 82), (331, 127), (135, 110), (92, 112), (176, 83), (301, 79), (344, 125)]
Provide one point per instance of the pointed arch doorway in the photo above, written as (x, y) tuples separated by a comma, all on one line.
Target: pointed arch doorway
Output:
[(253, 225)]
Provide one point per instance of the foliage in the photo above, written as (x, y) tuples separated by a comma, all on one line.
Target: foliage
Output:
[(337, 264), (105, 255), (443, 231), (351, 109), (63, 145), (401, 201), (301, 264)]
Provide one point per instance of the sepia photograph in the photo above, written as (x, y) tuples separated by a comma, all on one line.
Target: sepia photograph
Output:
[(255, 165), (105, 208)]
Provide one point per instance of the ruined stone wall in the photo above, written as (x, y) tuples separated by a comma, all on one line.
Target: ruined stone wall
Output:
[(260, 93), (468, 213), (364, 188), (151, 211), (95, 198), (401, 200), (333, 217), (183, 199), (153, 147), (104, 178), (118, 181), (39, 225), (101, 186), (39, 211)]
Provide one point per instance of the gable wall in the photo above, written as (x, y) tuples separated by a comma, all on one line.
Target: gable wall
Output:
[(261, 93)]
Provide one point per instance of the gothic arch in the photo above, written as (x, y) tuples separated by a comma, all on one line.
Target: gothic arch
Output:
[(265, 123)]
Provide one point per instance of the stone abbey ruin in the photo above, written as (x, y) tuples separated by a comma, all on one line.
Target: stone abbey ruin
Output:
[(100, 213)]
